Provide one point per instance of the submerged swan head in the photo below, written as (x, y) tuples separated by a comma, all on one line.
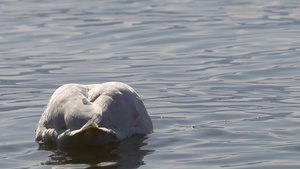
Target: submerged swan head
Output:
[(92, 115)]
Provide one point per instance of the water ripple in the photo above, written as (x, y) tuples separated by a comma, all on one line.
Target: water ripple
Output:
[(219, 78)]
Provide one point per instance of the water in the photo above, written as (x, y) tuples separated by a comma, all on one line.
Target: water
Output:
[(220, 79)]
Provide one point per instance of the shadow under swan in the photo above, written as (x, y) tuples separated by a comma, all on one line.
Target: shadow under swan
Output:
[(124, 154)]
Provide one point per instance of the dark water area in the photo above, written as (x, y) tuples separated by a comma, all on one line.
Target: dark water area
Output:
[(220, 79)]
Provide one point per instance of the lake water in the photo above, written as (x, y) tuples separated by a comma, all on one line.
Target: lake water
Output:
[(220, 79)]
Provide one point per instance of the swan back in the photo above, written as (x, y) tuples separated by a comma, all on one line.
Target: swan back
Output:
[(99, 113)]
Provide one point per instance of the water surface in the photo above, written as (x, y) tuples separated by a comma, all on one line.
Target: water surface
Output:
[(220, 79)]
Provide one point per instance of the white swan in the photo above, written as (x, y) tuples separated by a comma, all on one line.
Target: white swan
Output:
[(92, 115)]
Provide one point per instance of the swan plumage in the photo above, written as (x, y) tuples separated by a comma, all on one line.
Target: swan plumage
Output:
[(93, 114)]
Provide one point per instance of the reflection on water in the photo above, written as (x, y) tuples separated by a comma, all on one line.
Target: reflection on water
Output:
[(125, 154)]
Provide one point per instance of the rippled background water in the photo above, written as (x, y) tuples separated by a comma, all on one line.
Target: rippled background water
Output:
[(219, 78)]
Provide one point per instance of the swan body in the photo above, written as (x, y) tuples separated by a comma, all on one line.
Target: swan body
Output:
[(92, 115)]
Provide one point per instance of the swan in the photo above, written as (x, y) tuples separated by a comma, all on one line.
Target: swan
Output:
[(92, 115)]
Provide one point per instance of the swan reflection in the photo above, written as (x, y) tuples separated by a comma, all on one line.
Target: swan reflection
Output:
[(125, 154)]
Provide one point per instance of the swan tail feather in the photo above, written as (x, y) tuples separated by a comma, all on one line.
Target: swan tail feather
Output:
[(88, 135)]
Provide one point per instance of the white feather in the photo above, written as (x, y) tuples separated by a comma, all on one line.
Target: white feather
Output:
[(93, 114)]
